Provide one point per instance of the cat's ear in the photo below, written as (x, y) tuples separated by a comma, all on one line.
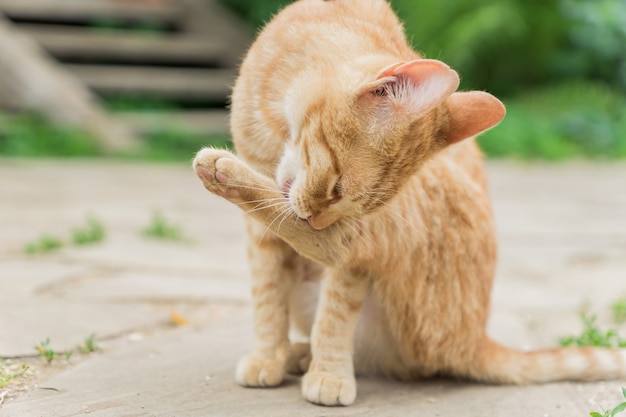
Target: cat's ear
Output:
[(472, 112), (415, 86)]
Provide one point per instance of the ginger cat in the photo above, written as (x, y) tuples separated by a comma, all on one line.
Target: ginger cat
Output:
[(370, 228)]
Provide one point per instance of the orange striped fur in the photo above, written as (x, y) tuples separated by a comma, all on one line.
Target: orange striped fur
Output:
[(369, 223)]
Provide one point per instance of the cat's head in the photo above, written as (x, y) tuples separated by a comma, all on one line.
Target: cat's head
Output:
[(353, 145)]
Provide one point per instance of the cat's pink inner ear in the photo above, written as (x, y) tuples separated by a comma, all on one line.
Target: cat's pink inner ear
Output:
[(429, 82), (472, 112)]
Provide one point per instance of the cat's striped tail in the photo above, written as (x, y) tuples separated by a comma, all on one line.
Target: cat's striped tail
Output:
[(496, 363)]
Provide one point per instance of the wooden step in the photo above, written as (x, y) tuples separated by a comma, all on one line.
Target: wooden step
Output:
[(202, 122), (185, 84), (163, 12), (125, 46)]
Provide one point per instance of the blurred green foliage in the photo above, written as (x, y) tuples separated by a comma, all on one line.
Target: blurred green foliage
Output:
[(179, 144), (509, 46), (33, 135), (559, 121)]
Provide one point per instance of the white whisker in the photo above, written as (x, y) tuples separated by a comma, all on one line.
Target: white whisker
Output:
[(257, 208), (285, 211)]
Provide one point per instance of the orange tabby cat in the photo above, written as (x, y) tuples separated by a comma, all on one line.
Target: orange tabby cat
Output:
[(356, 164)]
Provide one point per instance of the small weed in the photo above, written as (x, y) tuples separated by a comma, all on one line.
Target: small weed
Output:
[(7, 374), (592, 335), (89, 345), (45, 243), (49, 354), (93, 232), (161, 228), (611, 413), (44, 350), (618, 308)]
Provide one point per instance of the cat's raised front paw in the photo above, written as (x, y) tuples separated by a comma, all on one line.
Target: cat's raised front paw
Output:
[(257, 371), (212, 167), (325, 388)]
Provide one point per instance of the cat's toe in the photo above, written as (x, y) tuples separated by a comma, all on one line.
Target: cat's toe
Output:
[(207, 166), (299, 358), (207, 157), (325, 388), (257, 371)]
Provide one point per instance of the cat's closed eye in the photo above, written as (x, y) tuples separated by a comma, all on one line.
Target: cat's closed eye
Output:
[(336, 193)]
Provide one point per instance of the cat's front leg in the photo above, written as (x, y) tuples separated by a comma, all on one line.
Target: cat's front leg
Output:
[(274, 268), (224, 174), (330, 379)]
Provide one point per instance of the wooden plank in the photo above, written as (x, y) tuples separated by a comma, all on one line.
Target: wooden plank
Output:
[(190, 84), (163, 12), (30, 80), (125, 46), (207, 122)]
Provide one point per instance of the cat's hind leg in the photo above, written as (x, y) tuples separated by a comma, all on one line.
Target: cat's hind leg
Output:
[(303, 302), (299, 358)]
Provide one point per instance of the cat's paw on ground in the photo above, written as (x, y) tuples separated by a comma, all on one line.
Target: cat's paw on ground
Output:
[(215, 168), (257, 371), (325, 388), (299, 359)]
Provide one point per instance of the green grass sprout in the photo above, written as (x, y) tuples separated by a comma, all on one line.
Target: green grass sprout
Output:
[(93, 232), (161, 228), (7, 374), (618, 308), (45, 351), (611, 413), (45, 243), (592, 335), (89, 344)]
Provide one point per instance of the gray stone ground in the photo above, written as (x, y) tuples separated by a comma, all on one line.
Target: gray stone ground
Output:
[(562, 230)]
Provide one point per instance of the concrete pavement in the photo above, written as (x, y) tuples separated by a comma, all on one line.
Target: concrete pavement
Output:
[(562, 231)]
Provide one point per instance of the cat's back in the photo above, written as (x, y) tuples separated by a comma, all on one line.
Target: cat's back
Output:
[(301, 49)]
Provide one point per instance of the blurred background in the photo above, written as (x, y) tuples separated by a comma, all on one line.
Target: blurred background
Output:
[(149, 79)]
